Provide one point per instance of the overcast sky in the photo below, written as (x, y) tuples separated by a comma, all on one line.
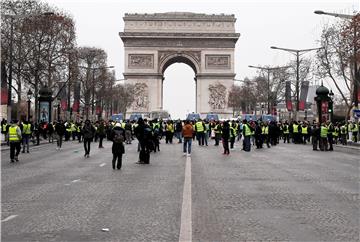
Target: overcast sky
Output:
[(282, 23)]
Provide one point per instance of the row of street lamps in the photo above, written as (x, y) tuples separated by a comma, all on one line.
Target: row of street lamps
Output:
[(298, 53)]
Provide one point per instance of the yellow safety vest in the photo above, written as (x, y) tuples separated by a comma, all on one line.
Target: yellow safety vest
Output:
[(232, 132), (304, 130), (265, 130), (247, 130), (27, 128), (355, 128), (3, 127), (286, 131), (323, 131), (170, 128), (199, 127), (295, 128), (336, 132), (13, 136)]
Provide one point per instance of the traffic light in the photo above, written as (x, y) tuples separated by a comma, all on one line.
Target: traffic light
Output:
[(330, 107)]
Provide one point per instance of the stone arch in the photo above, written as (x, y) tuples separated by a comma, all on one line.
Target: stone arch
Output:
[(205, 42), (179, 58)]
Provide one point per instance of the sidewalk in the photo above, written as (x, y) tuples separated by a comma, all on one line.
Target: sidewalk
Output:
[(351, 147), (43, 142)]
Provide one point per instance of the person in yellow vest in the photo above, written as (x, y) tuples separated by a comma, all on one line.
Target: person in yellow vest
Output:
[(26, 134), (323, 137), (218, 131), (233, 134), (304, 132), (286, 132), (330, 137), (355, 131), (169, 132), (200, 132), (343, 133), (247, 131), (296, 134), (14, 137), (265, 133)]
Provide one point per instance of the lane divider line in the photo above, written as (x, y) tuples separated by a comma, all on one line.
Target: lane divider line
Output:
[(186, 220), (76, 180), (9, 218)]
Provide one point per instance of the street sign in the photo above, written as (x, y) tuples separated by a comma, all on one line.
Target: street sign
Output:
[(356, 113)]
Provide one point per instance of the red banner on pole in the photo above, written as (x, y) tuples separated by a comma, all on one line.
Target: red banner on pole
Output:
[(301, 105), (63, 104), (76, 106), (4, 96), (289, 105)]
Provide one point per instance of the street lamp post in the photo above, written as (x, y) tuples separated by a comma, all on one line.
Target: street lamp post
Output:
[(12, 17), (268, 69), (356, 71), (29, 95), (297, 54)]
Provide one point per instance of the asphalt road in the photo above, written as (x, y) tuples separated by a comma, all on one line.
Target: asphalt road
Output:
[(285, 193)]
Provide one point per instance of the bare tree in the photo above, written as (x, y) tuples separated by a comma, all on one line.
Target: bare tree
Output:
[(336, 61), (125, 96), (41, 44)]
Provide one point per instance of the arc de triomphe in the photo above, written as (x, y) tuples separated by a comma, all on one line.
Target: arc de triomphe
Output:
[(206, 43)]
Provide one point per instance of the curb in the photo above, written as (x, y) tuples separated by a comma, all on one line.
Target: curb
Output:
[(348, 149)]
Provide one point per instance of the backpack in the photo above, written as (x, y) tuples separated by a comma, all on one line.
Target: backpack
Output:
[(118, 137)]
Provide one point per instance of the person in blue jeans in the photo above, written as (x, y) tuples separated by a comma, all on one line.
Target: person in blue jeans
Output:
[(187, 133)]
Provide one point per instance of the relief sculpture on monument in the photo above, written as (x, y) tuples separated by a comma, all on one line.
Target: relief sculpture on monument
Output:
[(218, 61), (141, 94), (141, 61), (217, 97)]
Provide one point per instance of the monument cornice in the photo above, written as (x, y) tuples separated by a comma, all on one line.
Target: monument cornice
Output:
[(142, 75), (176, 16), (216, 75), (177, 35)]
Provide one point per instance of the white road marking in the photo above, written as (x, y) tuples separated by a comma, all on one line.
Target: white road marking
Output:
[(186, 221), (102, 164), (9, 218), (76, 180)]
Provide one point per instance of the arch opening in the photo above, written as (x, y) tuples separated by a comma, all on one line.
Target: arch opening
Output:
[(179, 90)]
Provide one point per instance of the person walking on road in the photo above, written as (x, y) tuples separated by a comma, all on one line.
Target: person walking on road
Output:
[(144, 135), (101, 133), (60, 132), (247, 131), (187, 132), (225, 137), (88, 134), (117, 136), (26, 134), (14, 138)]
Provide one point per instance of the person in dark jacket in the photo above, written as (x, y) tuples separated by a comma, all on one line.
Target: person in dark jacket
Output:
[(143, 134), (101, 133), (225, 137), (60, 131), (88, 132), (117, 136)]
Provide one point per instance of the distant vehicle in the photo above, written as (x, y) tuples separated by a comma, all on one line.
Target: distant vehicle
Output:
[(267, 117), (161, 114), (135, 116), (212, 117), (249, 117), (193, 116), (117, 117)]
